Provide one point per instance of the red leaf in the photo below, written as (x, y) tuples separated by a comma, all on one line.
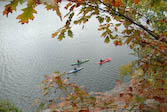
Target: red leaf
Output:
[(84, 111), (121, 94), (7, 10), (157, 98), (38, 2), (148, 21), (141, 106), (122, 21), (72, 8), (131, 89), (58, 1)]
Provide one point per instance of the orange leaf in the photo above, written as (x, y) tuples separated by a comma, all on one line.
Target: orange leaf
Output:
[(54, 34), (116, 29), (69, 4), (136, 1), (125, 106), (7, 10), (117, 3)]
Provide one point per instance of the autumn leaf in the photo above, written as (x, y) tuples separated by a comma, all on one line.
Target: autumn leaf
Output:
[(70, 34), (107, 1), (7, 10), (56, 7), (68, 5), (136, 1), (27, 15), (117, 3), (117, 43), (11, 6), (38, 2), (116, 29), (107, 40), (54, 34), (47, 6)]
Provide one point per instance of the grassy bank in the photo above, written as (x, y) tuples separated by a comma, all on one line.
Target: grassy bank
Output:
[(6, 106)]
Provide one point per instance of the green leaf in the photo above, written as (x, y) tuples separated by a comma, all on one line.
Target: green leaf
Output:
[(104, 34), (125, 69), (128, 40), (76, 22), (47, 6), (70, 34), (41, 106), (31, 3), (112, 37), (139, 99), (27, 14), (61, 36), (100, 19), (118, 24), (127, 23), (71, 15), (108, 19), (107, 40), (14, 4)]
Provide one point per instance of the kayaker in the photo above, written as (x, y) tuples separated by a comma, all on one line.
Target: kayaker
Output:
[(101, 61), (78, 61), (75, 68)]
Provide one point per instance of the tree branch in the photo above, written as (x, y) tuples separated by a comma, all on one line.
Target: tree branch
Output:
[(131, 20)]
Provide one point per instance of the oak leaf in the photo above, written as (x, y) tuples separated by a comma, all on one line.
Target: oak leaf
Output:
[(27, 15)]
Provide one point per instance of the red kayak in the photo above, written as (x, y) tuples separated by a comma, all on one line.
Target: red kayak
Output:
[(104, 61)]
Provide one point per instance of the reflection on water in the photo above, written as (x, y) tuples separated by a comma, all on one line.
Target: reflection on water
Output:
[(28, 53)]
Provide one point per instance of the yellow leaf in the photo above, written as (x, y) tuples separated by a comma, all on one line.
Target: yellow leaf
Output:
[(107, 1)]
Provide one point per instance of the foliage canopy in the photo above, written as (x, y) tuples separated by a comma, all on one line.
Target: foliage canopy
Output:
[(145, 32)]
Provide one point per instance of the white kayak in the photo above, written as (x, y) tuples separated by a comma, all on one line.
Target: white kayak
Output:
[(74, 71)]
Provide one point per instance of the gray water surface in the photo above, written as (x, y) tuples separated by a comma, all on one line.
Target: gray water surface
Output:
[(27, 53)]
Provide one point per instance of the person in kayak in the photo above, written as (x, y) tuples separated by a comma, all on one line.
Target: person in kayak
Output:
[(101, 61), (75, 68), (78, 61)]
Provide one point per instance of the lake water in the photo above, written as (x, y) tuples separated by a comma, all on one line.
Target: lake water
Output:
[(27, 53)]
